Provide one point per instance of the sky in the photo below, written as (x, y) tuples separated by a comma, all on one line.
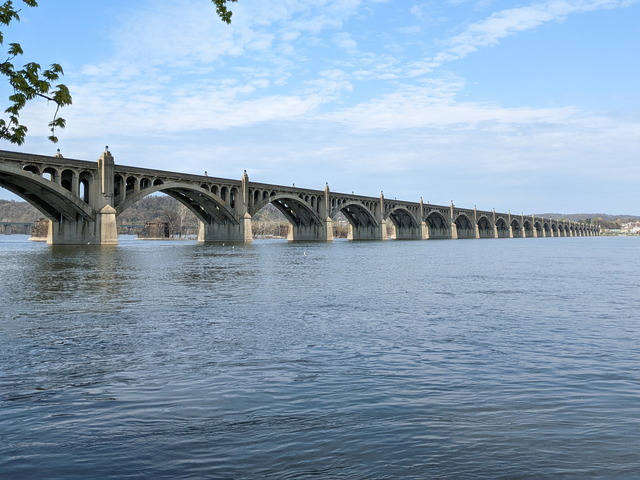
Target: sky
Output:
[(528, 107)]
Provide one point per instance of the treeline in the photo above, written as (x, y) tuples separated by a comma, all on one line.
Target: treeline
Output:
[(18, 212)]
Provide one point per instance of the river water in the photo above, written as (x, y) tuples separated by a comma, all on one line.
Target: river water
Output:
[(379, 360)]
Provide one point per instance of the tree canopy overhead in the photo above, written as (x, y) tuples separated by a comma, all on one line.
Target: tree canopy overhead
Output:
[(31, 81), (27, 83)]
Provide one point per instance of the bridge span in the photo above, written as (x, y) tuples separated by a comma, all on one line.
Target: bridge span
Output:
[(83, 199)]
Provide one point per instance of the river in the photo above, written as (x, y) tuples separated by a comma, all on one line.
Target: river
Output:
[(508, 358)]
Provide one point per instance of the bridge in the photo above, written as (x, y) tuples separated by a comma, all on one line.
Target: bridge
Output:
[(83, 199), (8, 228)]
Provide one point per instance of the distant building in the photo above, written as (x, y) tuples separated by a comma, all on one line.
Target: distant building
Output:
[(155, 230)]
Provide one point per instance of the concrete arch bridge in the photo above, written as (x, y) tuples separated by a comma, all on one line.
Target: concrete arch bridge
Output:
[(83, 199)]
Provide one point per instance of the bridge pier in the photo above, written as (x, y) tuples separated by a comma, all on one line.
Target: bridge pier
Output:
[(454, 231), (362, 232), (228, 232), (310, 233), (410, 233), (102, 231), (99, 227)]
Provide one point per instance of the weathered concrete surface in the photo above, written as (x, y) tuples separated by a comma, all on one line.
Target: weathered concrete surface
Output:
[(83, 200)]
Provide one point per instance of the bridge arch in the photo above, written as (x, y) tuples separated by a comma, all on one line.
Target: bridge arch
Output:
[(562, 231), (51, 174), (527, 229), (437, 226), (404, 223), (516, 228), (464, 226), (502, 228), (537, 229), (484, 227), (305, 221), (362, 222), (209, 208), (51, 199), (85, 181)]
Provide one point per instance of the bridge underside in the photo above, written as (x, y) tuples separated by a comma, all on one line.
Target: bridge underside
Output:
[(71, 220), (305, 224), (362, 225), (436, 228), (404, 226)]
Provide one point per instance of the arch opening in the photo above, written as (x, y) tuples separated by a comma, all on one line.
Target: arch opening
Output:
[(404, 225), (360, 222), (516, 230), (437, 226), (85, 181), (485, 229), (502, 229), (464, 227)]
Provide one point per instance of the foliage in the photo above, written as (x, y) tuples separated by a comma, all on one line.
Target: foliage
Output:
[(28, 83), (221, 9), (31, 81)]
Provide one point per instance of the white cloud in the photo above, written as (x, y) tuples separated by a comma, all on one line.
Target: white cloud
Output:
[(506, 23)]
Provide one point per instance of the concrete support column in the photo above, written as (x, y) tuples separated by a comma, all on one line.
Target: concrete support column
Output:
[(424, 228), (475, 221), (329, 228), (381, 221), (307, 233), (325, 208), (75, 183), (106, 169), (242, 208), (454, 227), (424, 233), (228, 232), (247, 231), (107, 227)]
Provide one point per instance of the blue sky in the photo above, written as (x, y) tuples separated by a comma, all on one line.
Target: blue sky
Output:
[(532, 107)]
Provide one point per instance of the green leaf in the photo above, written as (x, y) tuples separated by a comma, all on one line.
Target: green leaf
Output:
[(15, 49), (62, 96)]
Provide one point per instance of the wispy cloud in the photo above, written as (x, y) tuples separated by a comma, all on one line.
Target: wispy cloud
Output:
[(506, 23)]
